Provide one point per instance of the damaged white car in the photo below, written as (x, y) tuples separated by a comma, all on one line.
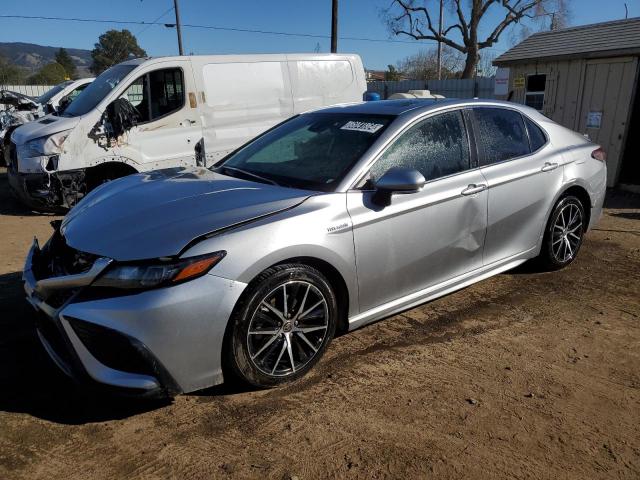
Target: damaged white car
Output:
[(17, 109), (153, 113)]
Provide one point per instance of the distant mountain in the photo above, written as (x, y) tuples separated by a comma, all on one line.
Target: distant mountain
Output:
[(32, 56)]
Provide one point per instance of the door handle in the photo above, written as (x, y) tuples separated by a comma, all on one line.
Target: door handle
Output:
[(474, 188), (187, 122), (548, 166)]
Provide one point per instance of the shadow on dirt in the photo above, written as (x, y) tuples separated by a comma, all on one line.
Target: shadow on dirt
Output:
[(621, 199), (628, 215), (30, 383)]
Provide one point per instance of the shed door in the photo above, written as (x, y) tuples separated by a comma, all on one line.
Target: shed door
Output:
[(604, 109)]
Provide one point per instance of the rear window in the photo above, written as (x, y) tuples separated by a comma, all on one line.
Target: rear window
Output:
[(537, 137), (501, 135)]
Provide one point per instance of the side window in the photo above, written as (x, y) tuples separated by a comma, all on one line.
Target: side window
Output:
[(69, 97), (137, 96), (537, 137), (75, 92), (167, 93), (436, 147), (501, 135), (156, 94)]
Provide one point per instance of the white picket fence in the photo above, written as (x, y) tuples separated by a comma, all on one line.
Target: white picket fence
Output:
[(29, 90), (481, 87)]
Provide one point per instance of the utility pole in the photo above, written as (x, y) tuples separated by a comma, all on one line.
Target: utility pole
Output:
[(440, 43), (175, 8), (334, 26)]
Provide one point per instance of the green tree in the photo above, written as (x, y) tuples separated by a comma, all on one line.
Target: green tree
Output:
[(114, 47), (64, 59), (51, 74), (391, 73), (10, 74)]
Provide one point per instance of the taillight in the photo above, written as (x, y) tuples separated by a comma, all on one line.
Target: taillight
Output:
[(599, 154)]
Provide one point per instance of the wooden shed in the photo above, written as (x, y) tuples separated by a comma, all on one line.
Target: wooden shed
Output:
[(585, 78)]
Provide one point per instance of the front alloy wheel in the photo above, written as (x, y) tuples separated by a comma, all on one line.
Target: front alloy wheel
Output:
[(287, 328), (282, 325)]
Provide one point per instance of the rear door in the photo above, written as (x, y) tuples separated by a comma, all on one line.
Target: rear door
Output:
[(523, 173), (424, 238), (239, 100), (320, 82)]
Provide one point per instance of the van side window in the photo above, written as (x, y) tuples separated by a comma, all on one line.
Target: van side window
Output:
[(501, 135), (436, 147), (537, 137), (156, 94)]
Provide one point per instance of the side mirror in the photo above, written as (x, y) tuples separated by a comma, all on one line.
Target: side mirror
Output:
[(397, 180)]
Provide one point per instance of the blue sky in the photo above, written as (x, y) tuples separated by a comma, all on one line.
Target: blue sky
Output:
[(358, 18)]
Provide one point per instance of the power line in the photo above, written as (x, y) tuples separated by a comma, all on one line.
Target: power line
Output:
[(154, 22), (215, 27)]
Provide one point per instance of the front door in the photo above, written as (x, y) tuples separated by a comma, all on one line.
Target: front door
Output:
[(423, 238), (168, 126)]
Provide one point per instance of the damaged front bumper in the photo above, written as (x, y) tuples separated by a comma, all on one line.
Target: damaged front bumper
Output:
[(68, 340), (152, 343), (47, 191)]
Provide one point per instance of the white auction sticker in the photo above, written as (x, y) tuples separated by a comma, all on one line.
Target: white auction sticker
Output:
[(361, 126)]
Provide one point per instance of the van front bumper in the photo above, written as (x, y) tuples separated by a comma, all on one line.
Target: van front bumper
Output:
[(46, 191), (155, 343)]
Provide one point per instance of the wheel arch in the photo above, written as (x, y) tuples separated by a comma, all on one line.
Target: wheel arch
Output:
[(336, 281), (108, 170), (581, 193)]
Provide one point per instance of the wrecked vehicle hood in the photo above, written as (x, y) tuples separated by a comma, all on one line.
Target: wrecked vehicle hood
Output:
[(43, 128), (158, 213), (20, 101)]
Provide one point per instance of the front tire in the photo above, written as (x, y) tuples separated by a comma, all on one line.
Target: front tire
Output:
[(564, 234), (281, 326)]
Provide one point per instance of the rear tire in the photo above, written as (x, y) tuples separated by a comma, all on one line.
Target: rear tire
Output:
[(281, 326), (563, 234)]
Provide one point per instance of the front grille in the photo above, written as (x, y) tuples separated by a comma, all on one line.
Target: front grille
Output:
[(112, 348), (58, 259)]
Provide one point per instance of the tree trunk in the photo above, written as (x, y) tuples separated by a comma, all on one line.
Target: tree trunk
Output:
[(470, 63)]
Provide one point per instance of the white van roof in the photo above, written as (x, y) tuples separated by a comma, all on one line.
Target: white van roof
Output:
[(274, 57)]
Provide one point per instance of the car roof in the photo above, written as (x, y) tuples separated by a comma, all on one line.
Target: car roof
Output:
[(387, 107), (414, 106)]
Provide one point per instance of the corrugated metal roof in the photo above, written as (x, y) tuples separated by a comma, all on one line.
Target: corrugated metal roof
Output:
[(619, 37)]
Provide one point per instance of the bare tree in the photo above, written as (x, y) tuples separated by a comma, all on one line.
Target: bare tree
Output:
[(552, 15), (423, 65), (414, 18)]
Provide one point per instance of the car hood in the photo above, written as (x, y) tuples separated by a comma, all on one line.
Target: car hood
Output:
[(158, 213), (43, 127)]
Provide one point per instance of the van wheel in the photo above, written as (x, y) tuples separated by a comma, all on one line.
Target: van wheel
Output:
[(281, 326), (564, 234)]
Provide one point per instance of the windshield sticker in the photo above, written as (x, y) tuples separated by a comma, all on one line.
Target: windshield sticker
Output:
[(362, 126)]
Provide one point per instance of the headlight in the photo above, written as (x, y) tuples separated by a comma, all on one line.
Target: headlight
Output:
[(42, 146), (151, 275)]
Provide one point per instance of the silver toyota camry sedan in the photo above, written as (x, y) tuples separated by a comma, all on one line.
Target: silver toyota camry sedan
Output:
[(171, 281)]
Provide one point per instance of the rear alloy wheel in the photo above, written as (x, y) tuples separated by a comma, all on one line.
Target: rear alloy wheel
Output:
[(282, 326), (564, 233)]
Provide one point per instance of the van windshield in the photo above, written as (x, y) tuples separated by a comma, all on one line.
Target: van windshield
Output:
[(97, 90), (46, 96), (313, 151)]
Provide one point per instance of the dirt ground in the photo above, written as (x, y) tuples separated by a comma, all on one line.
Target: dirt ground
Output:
[(525, 375)]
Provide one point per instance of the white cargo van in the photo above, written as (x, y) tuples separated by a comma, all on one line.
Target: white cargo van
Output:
[(153, 113)]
